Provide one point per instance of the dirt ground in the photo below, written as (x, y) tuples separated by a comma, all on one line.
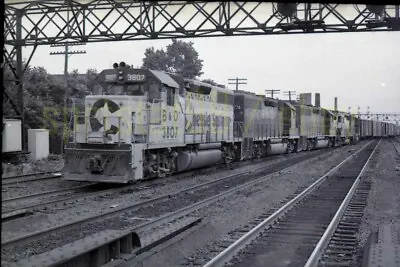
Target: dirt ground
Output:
[(383, 204), (52, 163), (235, 211)]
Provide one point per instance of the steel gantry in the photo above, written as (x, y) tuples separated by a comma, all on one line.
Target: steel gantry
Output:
[(45, 22)]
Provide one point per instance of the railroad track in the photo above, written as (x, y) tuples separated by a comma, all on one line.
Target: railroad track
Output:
[(169, 206), (306, 222), (24, 205), (21, 206), (395, 144), (11, 180)]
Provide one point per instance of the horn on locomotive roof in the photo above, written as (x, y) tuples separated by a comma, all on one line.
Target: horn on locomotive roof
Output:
[(115, 65), (122, 64)]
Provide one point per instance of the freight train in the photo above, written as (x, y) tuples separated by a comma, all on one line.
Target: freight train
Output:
[(148, 123)]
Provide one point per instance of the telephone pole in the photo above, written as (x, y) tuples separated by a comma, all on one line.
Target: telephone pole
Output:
[(67, 53), (290, 93), (271, 92), (237, 81)]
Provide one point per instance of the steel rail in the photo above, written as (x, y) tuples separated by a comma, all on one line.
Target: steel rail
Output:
[(31, 207), (20, 211), (395, 146), (35, 177), (35, 235), (169, 217), (227, 254), (324, 241), (29, 174), (50, 193)]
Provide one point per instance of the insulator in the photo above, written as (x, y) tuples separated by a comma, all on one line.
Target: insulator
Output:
[(287, 9), (376, 9), (115, 65)]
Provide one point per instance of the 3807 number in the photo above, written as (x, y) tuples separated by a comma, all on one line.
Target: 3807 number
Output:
[(170, 132), (136, 77)]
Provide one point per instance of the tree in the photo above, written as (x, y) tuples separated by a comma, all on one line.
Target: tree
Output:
[(180, 57), (155, 59), (44, 96)]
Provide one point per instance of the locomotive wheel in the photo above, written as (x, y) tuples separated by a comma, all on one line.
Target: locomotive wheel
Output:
[(308, 145), (291, 147), (296, 147)]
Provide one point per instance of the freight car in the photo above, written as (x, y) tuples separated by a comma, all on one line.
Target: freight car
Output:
[(148, 123)]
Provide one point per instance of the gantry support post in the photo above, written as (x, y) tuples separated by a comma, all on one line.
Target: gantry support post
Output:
[(20, 76)]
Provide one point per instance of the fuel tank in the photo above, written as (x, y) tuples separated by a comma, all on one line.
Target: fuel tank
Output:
[(207, 146), (274, 149), (192, 160), (321, 144)]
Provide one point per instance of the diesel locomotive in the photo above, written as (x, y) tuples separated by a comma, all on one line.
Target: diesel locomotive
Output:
[(148, 123)]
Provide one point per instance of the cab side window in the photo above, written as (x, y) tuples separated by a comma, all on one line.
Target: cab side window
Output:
[(154, 91), (170, 96)]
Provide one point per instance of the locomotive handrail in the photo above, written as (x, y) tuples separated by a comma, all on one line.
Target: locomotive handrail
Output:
[(86, 122)]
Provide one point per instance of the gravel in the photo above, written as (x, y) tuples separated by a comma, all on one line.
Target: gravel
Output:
[(384, 198), (237, 210), (89, 207), (72, 210), (52, 163), (34, 187)]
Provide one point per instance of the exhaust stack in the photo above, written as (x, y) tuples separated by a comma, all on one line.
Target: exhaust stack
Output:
[(335, 103), (317, 100)]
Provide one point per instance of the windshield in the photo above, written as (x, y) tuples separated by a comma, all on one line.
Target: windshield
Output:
[(130, 89)]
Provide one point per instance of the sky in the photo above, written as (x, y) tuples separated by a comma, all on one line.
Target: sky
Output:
[(361, 69)]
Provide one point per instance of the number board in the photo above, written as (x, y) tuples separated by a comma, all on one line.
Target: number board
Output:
[(135, 77), (110, 77)]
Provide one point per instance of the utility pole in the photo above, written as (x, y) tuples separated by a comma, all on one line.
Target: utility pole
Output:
[(66, 53), (290, 93), (237, 81), (271, 92)]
